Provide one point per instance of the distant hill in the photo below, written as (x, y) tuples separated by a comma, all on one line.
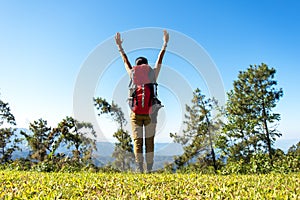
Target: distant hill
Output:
[(164, 152), (163, 149)]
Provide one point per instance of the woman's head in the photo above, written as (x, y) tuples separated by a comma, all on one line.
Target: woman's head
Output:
[(141, 60)]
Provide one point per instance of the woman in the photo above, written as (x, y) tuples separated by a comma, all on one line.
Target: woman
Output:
[(143, 121)]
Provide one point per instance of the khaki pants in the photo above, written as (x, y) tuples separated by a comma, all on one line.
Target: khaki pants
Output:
[(143, 127)]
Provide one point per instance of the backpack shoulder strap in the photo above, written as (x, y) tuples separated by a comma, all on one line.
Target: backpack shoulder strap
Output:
[(131, 77)]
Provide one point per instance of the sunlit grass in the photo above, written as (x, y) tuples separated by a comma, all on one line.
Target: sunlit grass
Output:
[(37, 185)]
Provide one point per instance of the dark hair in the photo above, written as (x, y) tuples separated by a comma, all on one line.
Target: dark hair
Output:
[(141, 60)]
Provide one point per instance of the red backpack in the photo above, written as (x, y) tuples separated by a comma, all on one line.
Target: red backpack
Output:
[(142, 90)]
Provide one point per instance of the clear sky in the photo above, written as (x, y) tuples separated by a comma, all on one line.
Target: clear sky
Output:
[(43, 45)]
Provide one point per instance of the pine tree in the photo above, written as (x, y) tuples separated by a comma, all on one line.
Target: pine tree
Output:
[(123, 151), (41, 139), (8, 139), (199, 136), (251, 125), (77, 135), (295, 150)]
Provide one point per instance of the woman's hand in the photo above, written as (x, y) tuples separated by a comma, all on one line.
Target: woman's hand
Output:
[(118, 39), (166, 37)]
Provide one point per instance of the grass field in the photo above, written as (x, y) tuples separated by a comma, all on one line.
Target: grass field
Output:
[(37, 185)]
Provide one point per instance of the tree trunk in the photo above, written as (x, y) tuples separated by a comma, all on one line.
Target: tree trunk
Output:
[(265, 125), (213, 154), (211, 144), (267, 132), (3, 155), (210, 139)]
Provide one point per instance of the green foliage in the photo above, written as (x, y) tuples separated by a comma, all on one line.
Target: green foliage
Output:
[(198, 138), (21, 164), (5, 114), (41, 139), (123, 151), (113, 109), (63, 165), (8, 140), (77, 135), (261, 164), (251, 124), (86, 185), (8, 144), (294, 150), (58, 163)]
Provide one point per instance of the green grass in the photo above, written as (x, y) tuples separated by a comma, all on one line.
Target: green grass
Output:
[(37, 185)]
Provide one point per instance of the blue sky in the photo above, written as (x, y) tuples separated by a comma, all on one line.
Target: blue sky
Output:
[(43, 45)]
